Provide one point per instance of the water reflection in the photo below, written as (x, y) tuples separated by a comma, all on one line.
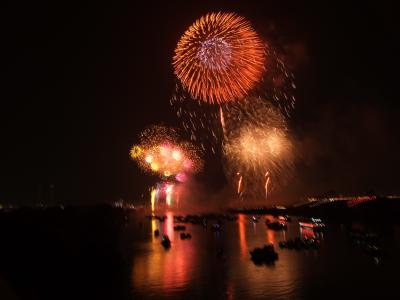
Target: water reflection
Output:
[(254, 282), (242, 235), (163, 270), (153, 228), (168, 226), (193, 267), (270, 236)]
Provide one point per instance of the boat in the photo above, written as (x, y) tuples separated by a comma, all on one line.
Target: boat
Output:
[(254, 219), (185, 236), (300, 244), (277, 225), (179, 227), (165, 242), (266, 255), (313, 223), (216, 227)]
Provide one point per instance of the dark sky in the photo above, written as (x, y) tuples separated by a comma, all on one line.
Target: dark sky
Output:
[(83, 79)]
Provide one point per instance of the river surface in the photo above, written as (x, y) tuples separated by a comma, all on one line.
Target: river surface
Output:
[(106, 253), (191, 269)]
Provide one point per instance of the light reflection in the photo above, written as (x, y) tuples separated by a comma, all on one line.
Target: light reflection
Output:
[(153, 198), (153, 228), (168, 270), (158, 273), (270, 236), (258, 281), (168, 227), (242, 235)]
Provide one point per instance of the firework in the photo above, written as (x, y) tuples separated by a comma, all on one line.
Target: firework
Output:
[(278, 84), (205, 123), (267, 178), (219, 58), (239, 185), (161, 152), (259, 147), (200, 121), (258, 144)]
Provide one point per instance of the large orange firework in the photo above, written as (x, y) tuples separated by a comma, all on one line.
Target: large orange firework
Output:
[(219, 58)]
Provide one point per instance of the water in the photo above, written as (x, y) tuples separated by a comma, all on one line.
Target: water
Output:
[(191, 269), (93, 253)]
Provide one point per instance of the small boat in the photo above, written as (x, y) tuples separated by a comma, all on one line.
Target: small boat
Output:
[(185, 236), (179, 227), (313, 223), (216, 227), (165, 242), (277, 225), (266, 255), (281, 218), (300, 244)]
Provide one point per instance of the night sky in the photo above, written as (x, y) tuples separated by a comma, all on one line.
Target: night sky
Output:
[(83, 79)]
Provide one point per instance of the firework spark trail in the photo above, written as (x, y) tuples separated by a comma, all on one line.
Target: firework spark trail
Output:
[(239, 185), (199, 120), (277, 84), (221, 112), (219, 58), (266, 184)]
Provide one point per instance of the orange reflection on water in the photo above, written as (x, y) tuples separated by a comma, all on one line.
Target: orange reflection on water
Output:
[(168, 227), (166, 270), (153, 228), (177, 266), (270, 236), (242, 235)]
